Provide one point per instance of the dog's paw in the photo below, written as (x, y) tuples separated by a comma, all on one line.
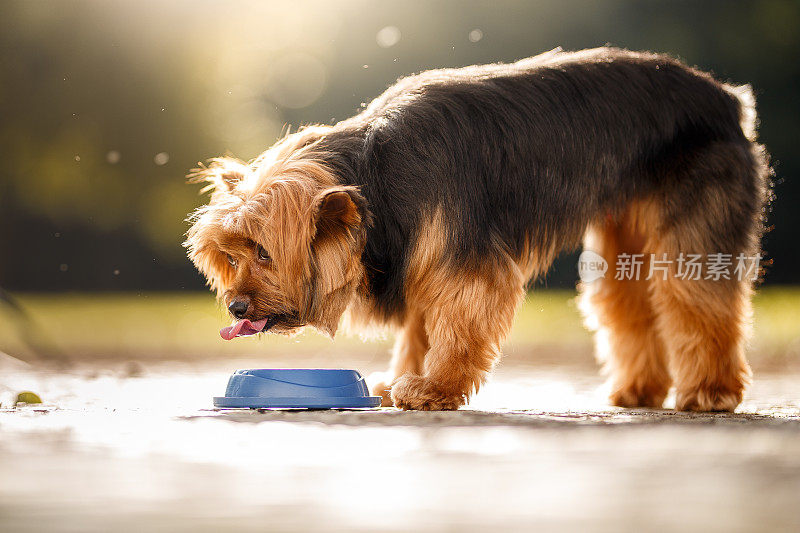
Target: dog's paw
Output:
[(379, 385), (708, 399), (632, 396), (412, 392)]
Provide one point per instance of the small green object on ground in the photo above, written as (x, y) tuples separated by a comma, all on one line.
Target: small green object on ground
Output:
[(28, 397)]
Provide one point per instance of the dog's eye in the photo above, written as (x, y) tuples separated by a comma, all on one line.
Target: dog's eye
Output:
[(262, 253), (231, 260)]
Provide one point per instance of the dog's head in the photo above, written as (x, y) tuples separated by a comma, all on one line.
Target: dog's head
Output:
[(280, 243)]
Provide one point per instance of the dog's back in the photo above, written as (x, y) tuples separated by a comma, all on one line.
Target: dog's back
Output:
[(524, 156)]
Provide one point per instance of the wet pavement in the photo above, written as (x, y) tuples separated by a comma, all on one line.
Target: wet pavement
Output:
[(537, 448)]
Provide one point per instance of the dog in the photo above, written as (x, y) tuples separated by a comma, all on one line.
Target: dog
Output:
[(432, 209)]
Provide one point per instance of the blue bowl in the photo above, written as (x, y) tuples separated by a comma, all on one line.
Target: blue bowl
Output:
[(303, 388)]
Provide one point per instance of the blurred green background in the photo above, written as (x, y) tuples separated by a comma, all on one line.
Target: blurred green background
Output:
[(106, 105)]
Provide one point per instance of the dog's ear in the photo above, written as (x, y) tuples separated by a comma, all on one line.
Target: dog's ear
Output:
[(221, 174), (338, 210), (340, 220)]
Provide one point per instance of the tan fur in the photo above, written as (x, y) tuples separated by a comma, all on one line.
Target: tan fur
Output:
[(534, 261), (693, 331), (620, 312), (704, 323), (250, 206), (466, 313), (408, 355)]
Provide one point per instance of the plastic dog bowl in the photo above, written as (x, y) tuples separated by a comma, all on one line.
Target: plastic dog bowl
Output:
[(304, 388)]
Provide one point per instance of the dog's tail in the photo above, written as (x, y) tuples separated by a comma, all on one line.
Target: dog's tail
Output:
[(748, 119)]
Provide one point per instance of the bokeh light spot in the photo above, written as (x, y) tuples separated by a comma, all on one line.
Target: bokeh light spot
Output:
[(297, 80), (388, 36), (161, 158)]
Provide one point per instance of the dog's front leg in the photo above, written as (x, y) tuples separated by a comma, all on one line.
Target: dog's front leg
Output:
[(452, 374), (465, 326), (407, 356)]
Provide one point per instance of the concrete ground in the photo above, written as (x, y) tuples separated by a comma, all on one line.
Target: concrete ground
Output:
[(140, 449)]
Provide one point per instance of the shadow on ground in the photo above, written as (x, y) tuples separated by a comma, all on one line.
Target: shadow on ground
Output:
[(521, 418)]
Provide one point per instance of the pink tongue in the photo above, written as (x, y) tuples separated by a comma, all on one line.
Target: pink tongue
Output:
[(242, 328)]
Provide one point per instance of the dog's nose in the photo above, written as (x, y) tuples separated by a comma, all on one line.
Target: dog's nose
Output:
[(239, 306)]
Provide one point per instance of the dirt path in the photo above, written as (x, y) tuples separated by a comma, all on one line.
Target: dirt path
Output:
[(536, 449)]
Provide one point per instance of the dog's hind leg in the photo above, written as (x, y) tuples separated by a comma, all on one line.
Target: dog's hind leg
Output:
[(704, 326), (407, 356), (467, 315), (619, 310), (704, 319)]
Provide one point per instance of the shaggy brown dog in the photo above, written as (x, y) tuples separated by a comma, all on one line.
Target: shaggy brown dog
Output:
[(432, 209)]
